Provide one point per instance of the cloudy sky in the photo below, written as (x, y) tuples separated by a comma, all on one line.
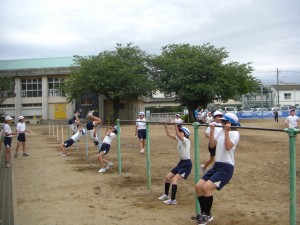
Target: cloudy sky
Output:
[(264, 32)]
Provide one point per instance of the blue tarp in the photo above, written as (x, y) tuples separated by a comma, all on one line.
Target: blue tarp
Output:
[(266, 114)]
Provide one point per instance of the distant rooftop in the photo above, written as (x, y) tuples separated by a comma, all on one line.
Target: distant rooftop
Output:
[(39, 63)]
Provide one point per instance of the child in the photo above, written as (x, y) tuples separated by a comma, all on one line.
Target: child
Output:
[(178, 120), (105, 147), (7, 140), (140, 131), (21, 129), (74, 122), (292, 119), (222, 171), (91, 127), (183, 168), (80, 132), (212, 151)]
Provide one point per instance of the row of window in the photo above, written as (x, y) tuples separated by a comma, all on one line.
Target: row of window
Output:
[(33, 87)]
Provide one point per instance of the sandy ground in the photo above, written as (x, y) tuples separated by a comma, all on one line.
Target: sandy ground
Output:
[(54, 190)]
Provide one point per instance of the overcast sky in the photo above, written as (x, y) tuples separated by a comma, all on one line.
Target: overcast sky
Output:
[(265, 32)]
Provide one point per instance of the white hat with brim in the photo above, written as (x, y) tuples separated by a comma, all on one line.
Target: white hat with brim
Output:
[(232, 118), (8, 118), (21, 117)]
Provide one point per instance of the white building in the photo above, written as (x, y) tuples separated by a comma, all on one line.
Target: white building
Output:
[(38, 99), (285, 95)]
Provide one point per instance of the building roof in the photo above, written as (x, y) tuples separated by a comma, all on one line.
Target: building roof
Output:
[(286, 87), (39, 63)]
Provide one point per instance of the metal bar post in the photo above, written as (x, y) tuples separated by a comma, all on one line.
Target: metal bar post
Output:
[(196, 150), (119, 147), (148, 156), (292, 132)]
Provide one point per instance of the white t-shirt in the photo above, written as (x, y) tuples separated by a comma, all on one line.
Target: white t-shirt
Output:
[(178, 120), (108, 138), (183, 148), (209, 119), (217, 129), (292, 121), (21, 127), (93, 138), (141, 125), (7, 129), (76, 136), (223, 155)]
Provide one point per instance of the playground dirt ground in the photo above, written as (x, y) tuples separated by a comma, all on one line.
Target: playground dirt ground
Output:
[(54, 190)]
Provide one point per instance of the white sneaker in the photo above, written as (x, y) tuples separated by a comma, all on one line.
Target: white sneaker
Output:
[(108, 165), (64, 155), (164, 197), (102, 170), (170, 202), (202, 168), (142, 151)]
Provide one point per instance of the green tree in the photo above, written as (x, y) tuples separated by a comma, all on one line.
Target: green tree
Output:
[(6, 90), (198, 75), (121, 74)]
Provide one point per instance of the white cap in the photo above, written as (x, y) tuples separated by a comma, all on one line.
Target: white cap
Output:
[(141, 113), (21, 117), (8, 118), (232, 118), (217, 113), (177, 115)]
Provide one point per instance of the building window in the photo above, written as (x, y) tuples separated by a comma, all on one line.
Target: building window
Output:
[(86, 101), (32, 105), (53, 85), (287, 96), (31, 88)]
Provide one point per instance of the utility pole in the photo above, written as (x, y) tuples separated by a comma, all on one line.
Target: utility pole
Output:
[(278, 88)]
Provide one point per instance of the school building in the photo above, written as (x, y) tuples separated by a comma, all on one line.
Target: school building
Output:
[(38, 99)]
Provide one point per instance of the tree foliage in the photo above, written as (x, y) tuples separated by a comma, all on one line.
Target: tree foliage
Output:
[(6, 89), (118, 75), (198, 75)]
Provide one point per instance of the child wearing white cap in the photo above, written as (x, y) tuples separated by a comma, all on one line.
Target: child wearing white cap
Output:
[(21, 129), (80, 132), (178, 120), (7, 140), (183, 167), (212, 151), (140, 131), (222, 171)]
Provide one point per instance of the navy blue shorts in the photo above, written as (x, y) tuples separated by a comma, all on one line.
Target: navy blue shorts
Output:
[(212, 151), (21, 137), (7, 141), (142, 133), (68, 143), (184, 168), (220, 174), (104, 148)]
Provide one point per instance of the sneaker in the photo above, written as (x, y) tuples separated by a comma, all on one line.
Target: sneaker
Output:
[(170, 202), (90, 113), (197, 217), (108, 165), (164, 197), (16, 155), (64, 155), (202, 168), (142, 151), (7, 165), (204, 219), (102, 170), (25, 154)]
